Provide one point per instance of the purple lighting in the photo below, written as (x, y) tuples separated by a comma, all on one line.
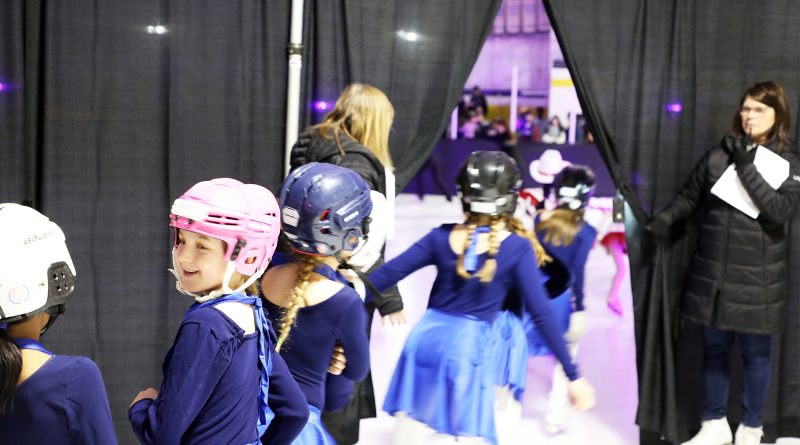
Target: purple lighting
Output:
[(321, 105), (3, 86), (674, 107)]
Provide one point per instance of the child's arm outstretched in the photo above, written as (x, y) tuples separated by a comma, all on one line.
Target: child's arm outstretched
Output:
[(419, 255), (529, 282)]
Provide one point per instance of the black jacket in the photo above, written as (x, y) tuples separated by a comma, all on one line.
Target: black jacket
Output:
[(738, 269), (312, 147)]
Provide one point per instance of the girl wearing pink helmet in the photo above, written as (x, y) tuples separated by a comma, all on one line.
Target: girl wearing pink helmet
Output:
[(222, 382)]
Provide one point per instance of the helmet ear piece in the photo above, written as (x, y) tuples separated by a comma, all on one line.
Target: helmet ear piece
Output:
[(351, 239)]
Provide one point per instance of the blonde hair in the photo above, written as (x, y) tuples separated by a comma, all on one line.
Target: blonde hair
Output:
[(516, 226), (561, 226), (307, 264), (238, 279), (363, 113), (496, 223)]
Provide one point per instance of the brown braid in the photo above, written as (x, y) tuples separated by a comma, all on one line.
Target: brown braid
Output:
[(486, 273), (516, 226), (307, 264), (561, 226)]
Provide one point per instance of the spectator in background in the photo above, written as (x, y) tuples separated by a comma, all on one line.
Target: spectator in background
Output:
[(478, 101), (539, 122), (555, 132), (525, 124), (497, 131), (475, 126)]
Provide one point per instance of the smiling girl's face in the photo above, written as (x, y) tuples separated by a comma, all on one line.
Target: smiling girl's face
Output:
[(200, 261)]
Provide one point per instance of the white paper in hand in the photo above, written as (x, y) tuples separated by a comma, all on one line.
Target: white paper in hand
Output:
[(773, 168)]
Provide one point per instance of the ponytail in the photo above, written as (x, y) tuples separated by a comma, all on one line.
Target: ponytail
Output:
[(307, 264), (561, 226), (10, 367)]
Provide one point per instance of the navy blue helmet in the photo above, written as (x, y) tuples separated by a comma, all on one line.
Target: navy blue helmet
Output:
[(325, 209)]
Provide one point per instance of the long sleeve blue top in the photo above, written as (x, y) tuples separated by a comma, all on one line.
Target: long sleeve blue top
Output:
[(62, 403), (516, 267), (308, 350), (209, 393), (574, 256)]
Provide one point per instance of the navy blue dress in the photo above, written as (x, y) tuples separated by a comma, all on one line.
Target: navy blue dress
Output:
[(340, 318), (209, 394), (63, 403)]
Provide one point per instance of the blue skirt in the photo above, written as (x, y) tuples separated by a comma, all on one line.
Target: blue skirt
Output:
[(314, 433), (510, 352), (561, 306), (445, 376)]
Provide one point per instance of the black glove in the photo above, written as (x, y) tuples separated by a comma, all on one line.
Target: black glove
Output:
[(738, 145), (658, 227)]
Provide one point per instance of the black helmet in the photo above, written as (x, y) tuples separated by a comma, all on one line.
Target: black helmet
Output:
[(489, 183), (574, 185)]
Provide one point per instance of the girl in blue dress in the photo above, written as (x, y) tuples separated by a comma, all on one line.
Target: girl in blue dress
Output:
[(44, 397), (444, 379), (222, 382), (325, 211), (568, 238)]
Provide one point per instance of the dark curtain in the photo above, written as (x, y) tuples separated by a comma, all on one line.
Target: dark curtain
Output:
[(366, 41), (629, 61), (104, 122)]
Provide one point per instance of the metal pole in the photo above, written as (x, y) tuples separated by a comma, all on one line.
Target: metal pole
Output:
[(293, 83), (512, 112)]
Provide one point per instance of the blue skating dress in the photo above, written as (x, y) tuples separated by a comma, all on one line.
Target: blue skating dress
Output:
[(445, 374)]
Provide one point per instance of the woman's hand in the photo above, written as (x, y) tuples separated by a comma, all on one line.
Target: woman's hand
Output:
[(658, 227), (338, 360), (581, 394), (394, 319), (149, 393)]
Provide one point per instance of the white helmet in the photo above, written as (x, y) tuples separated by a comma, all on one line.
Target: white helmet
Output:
[(36, 271)]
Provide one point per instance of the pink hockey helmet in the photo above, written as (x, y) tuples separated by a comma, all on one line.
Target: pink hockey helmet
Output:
[(245, 216)]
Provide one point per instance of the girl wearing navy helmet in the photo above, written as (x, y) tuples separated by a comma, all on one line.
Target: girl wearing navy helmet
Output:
[(325, 210), (44, 398), (565, 235), (222, 382), (444, 379)]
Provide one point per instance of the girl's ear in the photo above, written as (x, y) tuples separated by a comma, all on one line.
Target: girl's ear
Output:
[(250, 260)]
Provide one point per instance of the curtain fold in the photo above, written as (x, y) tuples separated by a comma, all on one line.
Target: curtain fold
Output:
[(423, 73), (660, 83)]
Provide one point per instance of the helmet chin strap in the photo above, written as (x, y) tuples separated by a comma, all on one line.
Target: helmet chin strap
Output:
[(224, 290)]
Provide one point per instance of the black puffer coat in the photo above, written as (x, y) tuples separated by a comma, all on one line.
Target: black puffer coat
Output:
[(739, 267), (312, 147)]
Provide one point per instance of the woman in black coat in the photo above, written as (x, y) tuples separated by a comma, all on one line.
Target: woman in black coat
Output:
[(737, 284), (355, 134)]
